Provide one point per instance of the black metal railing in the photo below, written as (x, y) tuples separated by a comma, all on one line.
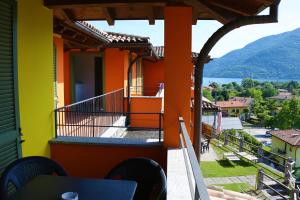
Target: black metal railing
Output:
[(265, 157), (93, 117), (90, 117), (199, 191)]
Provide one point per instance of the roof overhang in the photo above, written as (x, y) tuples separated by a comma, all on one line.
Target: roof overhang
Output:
[(151, 10)]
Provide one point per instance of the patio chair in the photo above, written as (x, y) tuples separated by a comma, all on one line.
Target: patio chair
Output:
[(21, 171), (150, 177)]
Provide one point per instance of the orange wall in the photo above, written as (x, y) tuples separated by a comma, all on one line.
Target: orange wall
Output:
[(177, 71), (116, 64), (67, 79), (145, 105), (59, 43), (95, 161), (153, 75)]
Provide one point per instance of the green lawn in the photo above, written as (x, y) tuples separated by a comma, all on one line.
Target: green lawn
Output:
[(237, 187), (225, 168)]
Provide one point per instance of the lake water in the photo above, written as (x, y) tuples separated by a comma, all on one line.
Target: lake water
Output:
[(207, 81)]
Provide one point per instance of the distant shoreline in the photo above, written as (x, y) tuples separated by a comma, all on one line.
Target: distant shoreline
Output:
[(208, 80)]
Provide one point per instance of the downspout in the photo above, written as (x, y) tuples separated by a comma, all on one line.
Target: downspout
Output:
[(211, 42), (128, 86)]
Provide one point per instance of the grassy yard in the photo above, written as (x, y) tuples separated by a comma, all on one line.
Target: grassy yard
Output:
[(226, 168), (237, 187)]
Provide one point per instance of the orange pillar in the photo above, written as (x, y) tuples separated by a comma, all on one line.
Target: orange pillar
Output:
[(58, 41), (115, 62), (67, 76), (177, 72)]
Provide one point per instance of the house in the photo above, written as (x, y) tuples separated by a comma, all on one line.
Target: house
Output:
[(236, 107), (50, 58), (286, 143), (283, 95)]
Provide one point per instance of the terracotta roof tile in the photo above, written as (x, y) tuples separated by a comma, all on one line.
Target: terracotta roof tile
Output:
[(236, 102), (112, 36), (160, 51), (291, 136)]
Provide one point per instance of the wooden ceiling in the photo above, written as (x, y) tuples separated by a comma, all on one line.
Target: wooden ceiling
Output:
[(151, 10)]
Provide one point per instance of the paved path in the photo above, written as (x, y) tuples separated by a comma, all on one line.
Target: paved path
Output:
[(233, 179), (209, 156)]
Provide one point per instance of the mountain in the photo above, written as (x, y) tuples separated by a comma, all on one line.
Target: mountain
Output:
[(276, 57)]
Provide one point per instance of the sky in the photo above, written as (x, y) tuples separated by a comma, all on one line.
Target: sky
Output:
[(289, 19)]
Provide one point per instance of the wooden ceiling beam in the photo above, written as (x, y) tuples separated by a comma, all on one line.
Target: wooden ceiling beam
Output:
[(109, 14), (234, 6), (151, 15), (105, 3), (72, 42), (205, 7), (67, 15)]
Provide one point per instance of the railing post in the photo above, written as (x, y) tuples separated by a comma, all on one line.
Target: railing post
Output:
[(288, 170), (260, 153), (260, 179), (93, 115), (55, 118), (295, 194), (241, 146), (225, 138), (159, 133)]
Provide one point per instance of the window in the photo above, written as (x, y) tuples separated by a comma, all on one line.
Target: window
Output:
[(10, 148)]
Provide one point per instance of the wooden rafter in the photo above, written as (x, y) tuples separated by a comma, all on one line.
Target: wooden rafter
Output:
[(67, 15), (234, 6), (109, 15), (151, 18), (207, 8)]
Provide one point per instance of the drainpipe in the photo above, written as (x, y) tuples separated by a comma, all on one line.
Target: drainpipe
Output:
[(129, 73), (211, 42)]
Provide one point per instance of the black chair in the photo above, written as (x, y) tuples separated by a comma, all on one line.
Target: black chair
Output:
[(21, 171), (150, 177)]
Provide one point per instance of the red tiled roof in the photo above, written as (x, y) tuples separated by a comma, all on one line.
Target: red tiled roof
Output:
[(207, 106), (236, 102), (160, 52), (113, 37), (291, 136)]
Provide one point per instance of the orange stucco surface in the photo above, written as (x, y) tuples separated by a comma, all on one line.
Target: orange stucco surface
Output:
[(153, 75), (177, 71), (67, 80), (95, 161), (116, 64), (59, 44), (145, 105)]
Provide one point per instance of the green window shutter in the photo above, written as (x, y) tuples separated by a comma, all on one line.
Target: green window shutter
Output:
[(9, 121)]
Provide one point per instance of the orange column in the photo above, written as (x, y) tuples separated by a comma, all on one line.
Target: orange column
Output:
[(67, 91), (177, 72), (115, 61), (60, 69)]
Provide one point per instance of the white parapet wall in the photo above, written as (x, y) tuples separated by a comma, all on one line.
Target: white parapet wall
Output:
[(177, 182)]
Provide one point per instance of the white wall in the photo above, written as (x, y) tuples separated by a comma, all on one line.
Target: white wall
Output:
[(84, 68)]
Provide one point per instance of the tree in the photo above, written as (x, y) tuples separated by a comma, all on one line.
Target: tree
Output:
[(207, 94), (289, 115), (269, 90), (292, 85), (249, 83), (255, 93)]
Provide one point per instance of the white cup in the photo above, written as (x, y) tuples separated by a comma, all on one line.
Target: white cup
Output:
[(69, 196)]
